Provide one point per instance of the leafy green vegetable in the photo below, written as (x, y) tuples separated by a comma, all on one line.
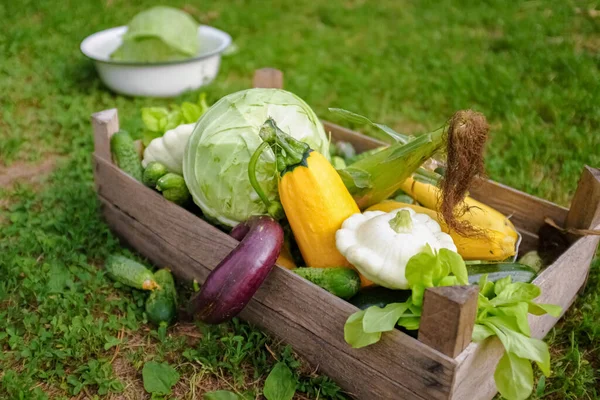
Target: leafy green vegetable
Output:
[(355, 334), (503, 309), (147, 50), (220, 395), (378, 319), (426, 269), (159, 34), (280, 384), (514, 377), (159, 378), (158, 120), (215, 164)]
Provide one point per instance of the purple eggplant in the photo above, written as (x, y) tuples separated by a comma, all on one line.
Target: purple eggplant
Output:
[(231, 285)]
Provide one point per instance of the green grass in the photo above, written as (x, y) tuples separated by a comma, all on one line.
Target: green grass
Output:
[(532, 67)]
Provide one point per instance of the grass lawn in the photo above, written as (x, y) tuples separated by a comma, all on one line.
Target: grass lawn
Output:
[(67, 331)]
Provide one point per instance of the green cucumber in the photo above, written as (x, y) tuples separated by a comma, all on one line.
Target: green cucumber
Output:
[(161, 305), (130, 273), (173, 188), (340, 281), (125, 154), (153, 172), (379, 296), (518, 272)]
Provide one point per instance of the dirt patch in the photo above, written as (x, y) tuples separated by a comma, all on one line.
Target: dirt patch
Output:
[(21, 171), (132, 381)]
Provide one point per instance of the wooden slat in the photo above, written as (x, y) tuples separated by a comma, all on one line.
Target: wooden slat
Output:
[(585, 207), (448, 317), (105, 124), (475, 374), (419, 371), (346, 370), (268, 78), (561, 281)]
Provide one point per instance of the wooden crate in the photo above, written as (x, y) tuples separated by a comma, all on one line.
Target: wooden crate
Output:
[(441, 364)]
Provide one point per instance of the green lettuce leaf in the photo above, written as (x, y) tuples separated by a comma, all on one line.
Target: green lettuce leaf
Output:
[(354, 333), (514, 377), (378, 319), (541, 309)]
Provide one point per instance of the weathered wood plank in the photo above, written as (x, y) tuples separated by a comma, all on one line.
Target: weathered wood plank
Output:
[(561, 281), (418, 368), (474, 378), (268, 78), (585, 207), (105, 124), (448, 317), (348, 371)]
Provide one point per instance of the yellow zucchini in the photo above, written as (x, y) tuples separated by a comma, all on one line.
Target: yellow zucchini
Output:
[(316, 203), (479, 214), (285, 259), (313, 196)]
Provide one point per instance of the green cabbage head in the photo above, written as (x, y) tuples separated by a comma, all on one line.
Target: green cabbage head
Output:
[(215, 163)]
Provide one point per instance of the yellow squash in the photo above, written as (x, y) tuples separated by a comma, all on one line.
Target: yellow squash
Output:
[(479, 214), (316, 203), (494, 246), (312, 195), (285, 259)]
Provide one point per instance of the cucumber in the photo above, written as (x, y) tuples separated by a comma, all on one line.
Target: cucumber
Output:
[(173, 188), (125, 154), (340, 281), (518, 272), (153, 172), (404, 198), (130, 273), (379, 296), (161, 305)]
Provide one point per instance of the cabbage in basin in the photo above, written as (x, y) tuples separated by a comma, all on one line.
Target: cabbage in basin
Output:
[(215, 164)]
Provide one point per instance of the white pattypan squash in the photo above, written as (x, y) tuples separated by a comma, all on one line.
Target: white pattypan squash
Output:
[(380, 244), (168, 149)]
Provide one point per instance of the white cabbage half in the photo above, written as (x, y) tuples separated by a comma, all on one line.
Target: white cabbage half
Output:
[(215, 164)]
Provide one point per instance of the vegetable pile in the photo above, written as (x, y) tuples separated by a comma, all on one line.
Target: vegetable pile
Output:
[(376, 228)]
